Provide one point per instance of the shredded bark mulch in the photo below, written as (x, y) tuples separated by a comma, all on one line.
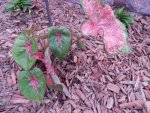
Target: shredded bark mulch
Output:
[(97, 82)]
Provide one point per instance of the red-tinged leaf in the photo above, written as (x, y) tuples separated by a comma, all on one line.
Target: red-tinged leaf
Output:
[(57, 83), (49, 80), (47, 63), (49, 67), (60, 41), (53, 81), (34, 82), (38, 55), (104, 23), (52, 85), (28, 47), (22, 50), (59, 38)]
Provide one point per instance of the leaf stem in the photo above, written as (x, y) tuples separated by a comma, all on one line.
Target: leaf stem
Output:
[(48, 12), (41, 36), (73, 35)]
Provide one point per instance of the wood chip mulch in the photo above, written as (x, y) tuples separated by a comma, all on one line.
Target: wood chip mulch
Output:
[(97, 82)]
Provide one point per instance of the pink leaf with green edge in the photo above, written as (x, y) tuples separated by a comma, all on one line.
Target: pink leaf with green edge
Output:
[(91, 8), (38, 55), (89, 28), (104, 23)]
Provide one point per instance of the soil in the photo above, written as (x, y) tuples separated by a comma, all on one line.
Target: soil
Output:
[(97, 82)]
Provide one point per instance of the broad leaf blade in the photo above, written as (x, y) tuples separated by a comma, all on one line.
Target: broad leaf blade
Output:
[(60, 41), (32, 84), (22, 50), (103, 22)]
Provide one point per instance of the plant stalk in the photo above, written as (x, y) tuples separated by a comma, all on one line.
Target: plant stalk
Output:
[(48, 12)]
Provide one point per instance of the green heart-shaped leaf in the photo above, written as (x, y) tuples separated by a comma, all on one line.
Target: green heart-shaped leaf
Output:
[(32, 84), (22, 50), (60, 41)]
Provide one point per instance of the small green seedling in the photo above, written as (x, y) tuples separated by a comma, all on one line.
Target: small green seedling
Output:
[(18, 5), (124, 17)]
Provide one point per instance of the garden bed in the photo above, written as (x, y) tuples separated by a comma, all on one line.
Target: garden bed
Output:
[(97, 82)]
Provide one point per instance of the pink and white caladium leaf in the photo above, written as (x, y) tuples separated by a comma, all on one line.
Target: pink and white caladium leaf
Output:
[(32, 84), (22, 51), (102, 22), (60, 41)]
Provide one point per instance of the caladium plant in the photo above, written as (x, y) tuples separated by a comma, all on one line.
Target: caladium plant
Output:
[(32, 82), (102, 22)]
